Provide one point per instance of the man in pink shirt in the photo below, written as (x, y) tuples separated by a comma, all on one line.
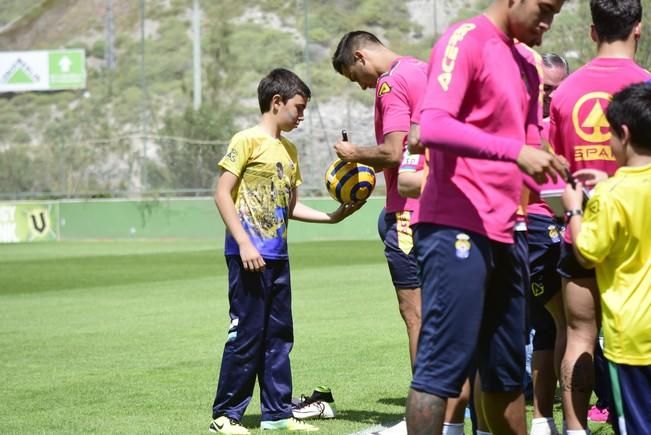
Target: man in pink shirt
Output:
[(399, 83), (411, 175), (480, 108), (544, 295), (580, 132)]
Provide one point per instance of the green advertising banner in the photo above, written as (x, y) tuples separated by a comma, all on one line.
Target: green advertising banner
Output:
[(67, 69), (28, 222), (40, 70)]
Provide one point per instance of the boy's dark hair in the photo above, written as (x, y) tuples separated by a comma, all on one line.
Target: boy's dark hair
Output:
[(614, 19), (351, 41), (632, 107), (283, 82), (553, 60)]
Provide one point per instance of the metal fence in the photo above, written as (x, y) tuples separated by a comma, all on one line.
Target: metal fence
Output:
[(115, 138), (156, 165)]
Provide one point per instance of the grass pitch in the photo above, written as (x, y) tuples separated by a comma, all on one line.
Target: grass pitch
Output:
[(126, 337)]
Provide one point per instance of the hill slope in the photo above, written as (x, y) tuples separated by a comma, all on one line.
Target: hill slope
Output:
[(122, 135)]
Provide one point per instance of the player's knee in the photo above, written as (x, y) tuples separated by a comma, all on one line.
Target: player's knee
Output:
[(581, 332)]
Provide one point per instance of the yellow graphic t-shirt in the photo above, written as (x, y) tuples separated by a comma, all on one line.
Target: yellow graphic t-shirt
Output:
[(616, 236), (267, 169)]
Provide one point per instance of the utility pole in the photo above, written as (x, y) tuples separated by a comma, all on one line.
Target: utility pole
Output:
[(109, 48), (436, 18), (306, 54), (308, 75), (143, 100), (196, 46)]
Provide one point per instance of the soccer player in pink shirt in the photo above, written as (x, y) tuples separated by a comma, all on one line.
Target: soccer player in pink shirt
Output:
[(479, 109), (399, 83), (580, 131), (545, 298), (411, 176)]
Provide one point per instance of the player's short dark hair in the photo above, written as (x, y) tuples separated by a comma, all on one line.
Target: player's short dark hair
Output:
[(553, 60), (632, 107), (283, 82), (614, 19), (344, 54)]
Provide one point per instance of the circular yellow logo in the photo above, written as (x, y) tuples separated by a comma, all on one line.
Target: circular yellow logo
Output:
[(589, 117)]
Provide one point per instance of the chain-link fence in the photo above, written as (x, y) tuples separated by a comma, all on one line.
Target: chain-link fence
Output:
[(161, 165), (134, 131)]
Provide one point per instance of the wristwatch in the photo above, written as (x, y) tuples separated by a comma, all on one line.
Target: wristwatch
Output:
[(575, 212)]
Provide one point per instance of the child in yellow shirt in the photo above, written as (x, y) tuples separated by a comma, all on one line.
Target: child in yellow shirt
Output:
[(613, 235)]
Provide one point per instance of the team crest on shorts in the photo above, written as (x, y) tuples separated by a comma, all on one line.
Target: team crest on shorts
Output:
[(462, 245), (553, 233)]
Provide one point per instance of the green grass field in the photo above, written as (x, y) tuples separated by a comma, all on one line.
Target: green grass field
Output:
[(126, 337)]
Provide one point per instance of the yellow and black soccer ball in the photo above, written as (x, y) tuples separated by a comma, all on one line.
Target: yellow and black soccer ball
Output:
[(349, 182)]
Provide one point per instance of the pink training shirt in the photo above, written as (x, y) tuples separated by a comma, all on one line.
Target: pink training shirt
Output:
[(412, 163), (533, 130), (397, 98), (475, 116), (536, 204), (578, 126), (579, 129)]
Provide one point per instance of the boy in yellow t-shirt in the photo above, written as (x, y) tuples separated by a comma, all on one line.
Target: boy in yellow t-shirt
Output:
[(614, 237), (256, 195)]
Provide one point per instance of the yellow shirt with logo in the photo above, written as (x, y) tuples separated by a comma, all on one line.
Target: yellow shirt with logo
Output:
[(267, 169), (616, 237)]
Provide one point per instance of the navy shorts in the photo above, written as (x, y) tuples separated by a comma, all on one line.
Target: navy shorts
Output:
[(569, 267), (395, 232), (544, 239), (631, 397), (543, 323), (522, 249), (473, 302)]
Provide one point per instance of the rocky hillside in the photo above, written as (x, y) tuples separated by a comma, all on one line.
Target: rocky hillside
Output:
[(128, 134), (240, 42)]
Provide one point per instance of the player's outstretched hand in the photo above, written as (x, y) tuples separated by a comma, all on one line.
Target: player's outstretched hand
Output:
[(573, 196), (413, 140), (251, 258), (345, 150), (345, 210), (590, 177), (539, 164)]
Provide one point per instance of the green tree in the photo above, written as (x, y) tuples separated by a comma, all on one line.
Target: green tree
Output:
[(191, 163)]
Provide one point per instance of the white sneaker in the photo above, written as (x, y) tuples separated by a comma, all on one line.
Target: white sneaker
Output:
[(320, 404), (397, 429), (318, 409), (227, 425), (543, 426), (289, 425)]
